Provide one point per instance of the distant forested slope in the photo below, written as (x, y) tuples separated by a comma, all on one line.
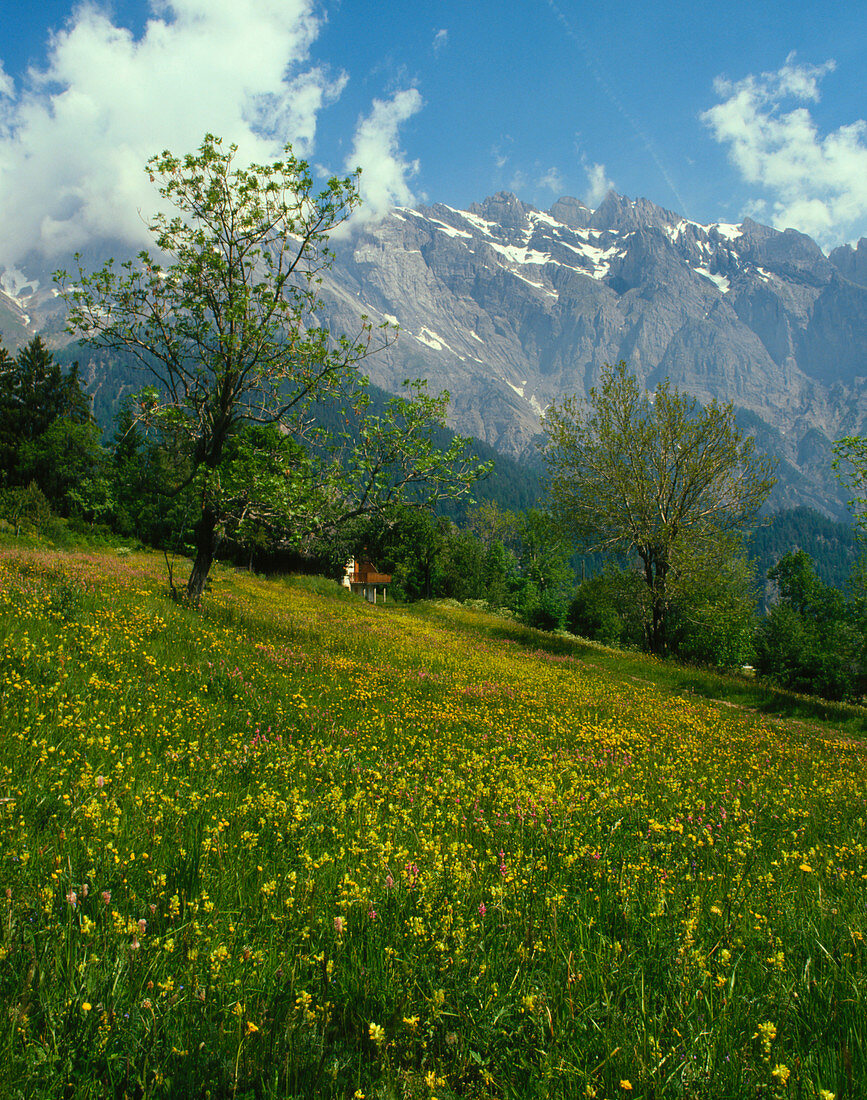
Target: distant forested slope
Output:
[(833, 546)]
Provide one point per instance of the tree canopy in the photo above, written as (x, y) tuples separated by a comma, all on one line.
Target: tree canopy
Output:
[(224, 317), (49, 443), (649, 473), (850, 464)]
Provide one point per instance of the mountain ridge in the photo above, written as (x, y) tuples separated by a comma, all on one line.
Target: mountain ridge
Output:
[(509, 307)]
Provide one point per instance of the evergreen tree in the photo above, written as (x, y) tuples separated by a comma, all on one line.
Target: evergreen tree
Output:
[(47, 435)]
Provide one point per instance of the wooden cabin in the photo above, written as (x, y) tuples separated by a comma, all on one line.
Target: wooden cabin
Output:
[(362, 577)]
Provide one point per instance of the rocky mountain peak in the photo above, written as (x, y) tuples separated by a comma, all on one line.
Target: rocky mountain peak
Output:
[(504, 208), (509, 307), (852, 262), (571, 212)]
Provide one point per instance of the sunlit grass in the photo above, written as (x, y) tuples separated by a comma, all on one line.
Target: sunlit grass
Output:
[(294, 845)]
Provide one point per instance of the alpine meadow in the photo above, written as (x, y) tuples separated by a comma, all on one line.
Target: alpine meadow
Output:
[(291, 844), (433, 638)]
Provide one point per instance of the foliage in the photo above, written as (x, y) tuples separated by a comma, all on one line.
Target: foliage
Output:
[(633, 471), (140, 471), (47, 435), (609, 608), (293, 845), (712, 604), (813, 640), (850, 464), (713, 599), (406, 543), (24, 506), (514, 561), (832, 545), (543, 579), (68, 463), (461, 566), (228, 331)]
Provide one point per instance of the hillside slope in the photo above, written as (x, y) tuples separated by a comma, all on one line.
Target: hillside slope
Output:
[(296, 844)]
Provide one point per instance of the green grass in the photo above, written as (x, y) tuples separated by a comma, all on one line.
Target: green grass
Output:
[(295, 845), (733, 687)]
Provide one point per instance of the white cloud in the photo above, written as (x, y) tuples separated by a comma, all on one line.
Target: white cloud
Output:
[(501, 157), (814, 183), (440, 41), (385, 171), (74, 141), (7, 88), (552, 180), (598, 184), (519, 183)]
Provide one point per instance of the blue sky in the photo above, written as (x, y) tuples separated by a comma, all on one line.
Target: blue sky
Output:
[(713, 110)]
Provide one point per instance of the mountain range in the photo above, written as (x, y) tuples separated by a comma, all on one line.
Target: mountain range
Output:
[(509, 307)]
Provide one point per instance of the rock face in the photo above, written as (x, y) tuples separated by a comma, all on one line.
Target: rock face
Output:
[(509, 307)]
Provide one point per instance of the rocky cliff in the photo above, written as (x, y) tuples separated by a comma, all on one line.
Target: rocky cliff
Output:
[(509, 307)]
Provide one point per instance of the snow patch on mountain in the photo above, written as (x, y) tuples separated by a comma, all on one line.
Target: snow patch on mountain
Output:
[(519, 255), (719, 281), (728, 232), (433, 340), (18, 285), (538, 286), (449, 230)]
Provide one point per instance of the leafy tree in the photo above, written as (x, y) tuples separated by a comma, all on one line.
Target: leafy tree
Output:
[(141, 468), (461, 565), (409, 547), (801, 589), (609, 608), (813, 640), (228, 331), (492, 524), (831, 544), (47, 435), (60, 459), (850, 464), (25, 506), (628, 470), (546, 578), (496, 529), (713, 600)]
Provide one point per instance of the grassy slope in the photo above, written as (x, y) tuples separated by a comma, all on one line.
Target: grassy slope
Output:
[(295, 845)]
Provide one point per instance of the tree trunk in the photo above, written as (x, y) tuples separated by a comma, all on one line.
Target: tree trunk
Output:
[(655, 573), (207, 541)]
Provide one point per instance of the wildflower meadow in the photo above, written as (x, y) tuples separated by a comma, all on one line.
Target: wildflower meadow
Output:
[(293, 845)]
